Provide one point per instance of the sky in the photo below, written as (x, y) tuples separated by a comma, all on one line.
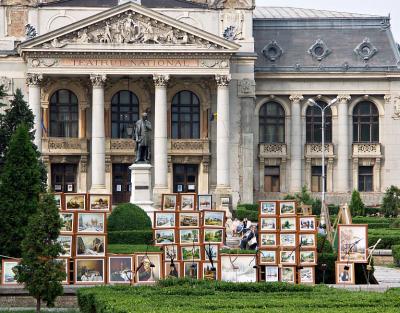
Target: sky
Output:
[(376, 7)]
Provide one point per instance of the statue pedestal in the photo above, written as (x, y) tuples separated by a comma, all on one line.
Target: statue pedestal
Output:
[(141, 193)]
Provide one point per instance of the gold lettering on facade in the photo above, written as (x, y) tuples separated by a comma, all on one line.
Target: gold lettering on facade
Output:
[(129, 63)]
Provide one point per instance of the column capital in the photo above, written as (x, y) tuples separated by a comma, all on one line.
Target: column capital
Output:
[(344, 98), (160, 80), (296, 98), (223, 80), (387, 98), (34, 79), (98, 80)]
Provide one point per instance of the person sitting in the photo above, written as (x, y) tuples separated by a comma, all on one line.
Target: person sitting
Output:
[(249, 240)]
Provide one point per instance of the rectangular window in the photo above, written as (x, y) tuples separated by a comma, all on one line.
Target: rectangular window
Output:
[(272, 179), (365, 178), (316, 178), (63, 177)]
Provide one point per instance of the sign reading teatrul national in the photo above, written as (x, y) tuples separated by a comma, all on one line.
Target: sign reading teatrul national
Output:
[(130, 62)]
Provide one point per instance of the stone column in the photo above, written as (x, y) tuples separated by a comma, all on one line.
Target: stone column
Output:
[(160, 137), (377, 175), (329, 180), (33, 81), (343, 178), (223, 177), (296, 141), (98, 135)]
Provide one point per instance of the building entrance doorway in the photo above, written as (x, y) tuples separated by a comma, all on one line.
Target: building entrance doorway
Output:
[(121, 191), (185, 177)]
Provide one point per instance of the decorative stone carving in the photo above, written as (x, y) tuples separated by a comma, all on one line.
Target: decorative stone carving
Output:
[(366, 150), (6, 83), (64, 144), (231, 4), (98, 80), (344, 98), (396, 101), (206, 163), (186, 145), (130, 28), (160, 80), (83, 163), (272, 51), (34, 79), (247, 88), (366, 50), (232, 25), (42, 62), (319, 50), (296, 98), (122, 144), (108, 164), (222, 80), (272, 150), (214, 63)]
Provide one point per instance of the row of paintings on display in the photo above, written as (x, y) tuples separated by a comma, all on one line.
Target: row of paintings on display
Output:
[(121, 269), (206, 218), (288, 224), (83, 202), (189, 236), (287, 257), (83, 222), (186, 202)]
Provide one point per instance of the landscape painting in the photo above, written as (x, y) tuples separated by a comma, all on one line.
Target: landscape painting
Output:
[(164, 236), (238, 268), (100, 203), (214, 218), (75, 202), (67, 222), (90, 245), (91, 222)]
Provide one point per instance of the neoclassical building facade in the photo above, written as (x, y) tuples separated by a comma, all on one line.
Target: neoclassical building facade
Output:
[(226, 86)]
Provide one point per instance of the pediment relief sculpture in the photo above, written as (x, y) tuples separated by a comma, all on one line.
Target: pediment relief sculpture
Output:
[(130, 27), (231, 4)]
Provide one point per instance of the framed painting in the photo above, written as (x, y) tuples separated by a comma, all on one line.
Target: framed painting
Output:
[(238, 268), (189, 219), (307, 275), (89, 271), (267, 257), (172, 269), (268, 224), (8, 272), (213, 235), (268, 240), (120, 269), (169, 202), (90, 245), (64, 265), (214, 218), (271, 274), (288, 274), (66, 244), (345, 273), (191, 270), (287, 208), (267, 208), (211, 252), (164, 236), (204, 202), (100, 203), (164, 219), (191, 253), (189, 236), (67, 222), (75, 202), (353, 243), (308, 240), (308, 257), (307, 223), (288, 239), (210, 271), (58, 196), (288, 224), (148, 268), (170, 252), (288, 257), (187, 201), (91, 223)]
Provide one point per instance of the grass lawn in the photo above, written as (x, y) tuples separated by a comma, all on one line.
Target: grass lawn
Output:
[(201, 296), (43, 310)]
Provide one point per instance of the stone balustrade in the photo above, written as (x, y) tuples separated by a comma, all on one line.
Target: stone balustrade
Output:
[(120, 146), (68, 146), (367, 150), (314, 150), (188, 147), (272, 150)]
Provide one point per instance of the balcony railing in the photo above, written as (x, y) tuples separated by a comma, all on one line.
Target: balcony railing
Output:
[(367, 150), (70, 146), (120, 146), (272, 150), (314, 150), (188, 146)]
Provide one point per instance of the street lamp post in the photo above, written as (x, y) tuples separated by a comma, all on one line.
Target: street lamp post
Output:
[(324, 212)]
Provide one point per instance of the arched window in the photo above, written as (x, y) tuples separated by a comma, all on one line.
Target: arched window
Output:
[(64, 114), (185, 116), (314, 124), (272, 123), (124, 113), (365, 122)]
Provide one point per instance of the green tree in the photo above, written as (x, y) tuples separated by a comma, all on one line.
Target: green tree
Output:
[(391, 202), (39, 270), (356, 205), (20, 186), (2, 95), (18, 113)]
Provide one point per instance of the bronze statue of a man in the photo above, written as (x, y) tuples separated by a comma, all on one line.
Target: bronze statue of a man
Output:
[(142, 138)]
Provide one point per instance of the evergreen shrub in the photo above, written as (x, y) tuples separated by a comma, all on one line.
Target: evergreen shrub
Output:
[(128, 216)]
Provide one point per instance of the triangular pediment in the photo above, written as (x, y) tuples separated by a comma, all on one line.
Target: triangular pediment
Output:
[(126, 28)]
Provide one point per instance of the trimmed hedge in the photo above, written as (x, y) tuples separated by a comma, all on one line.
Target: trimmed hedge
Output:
[(128, 216), (250, 215), (130, 237), (130, 249), (389, 237), (396, 254), (189, 296), (248, 206)]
